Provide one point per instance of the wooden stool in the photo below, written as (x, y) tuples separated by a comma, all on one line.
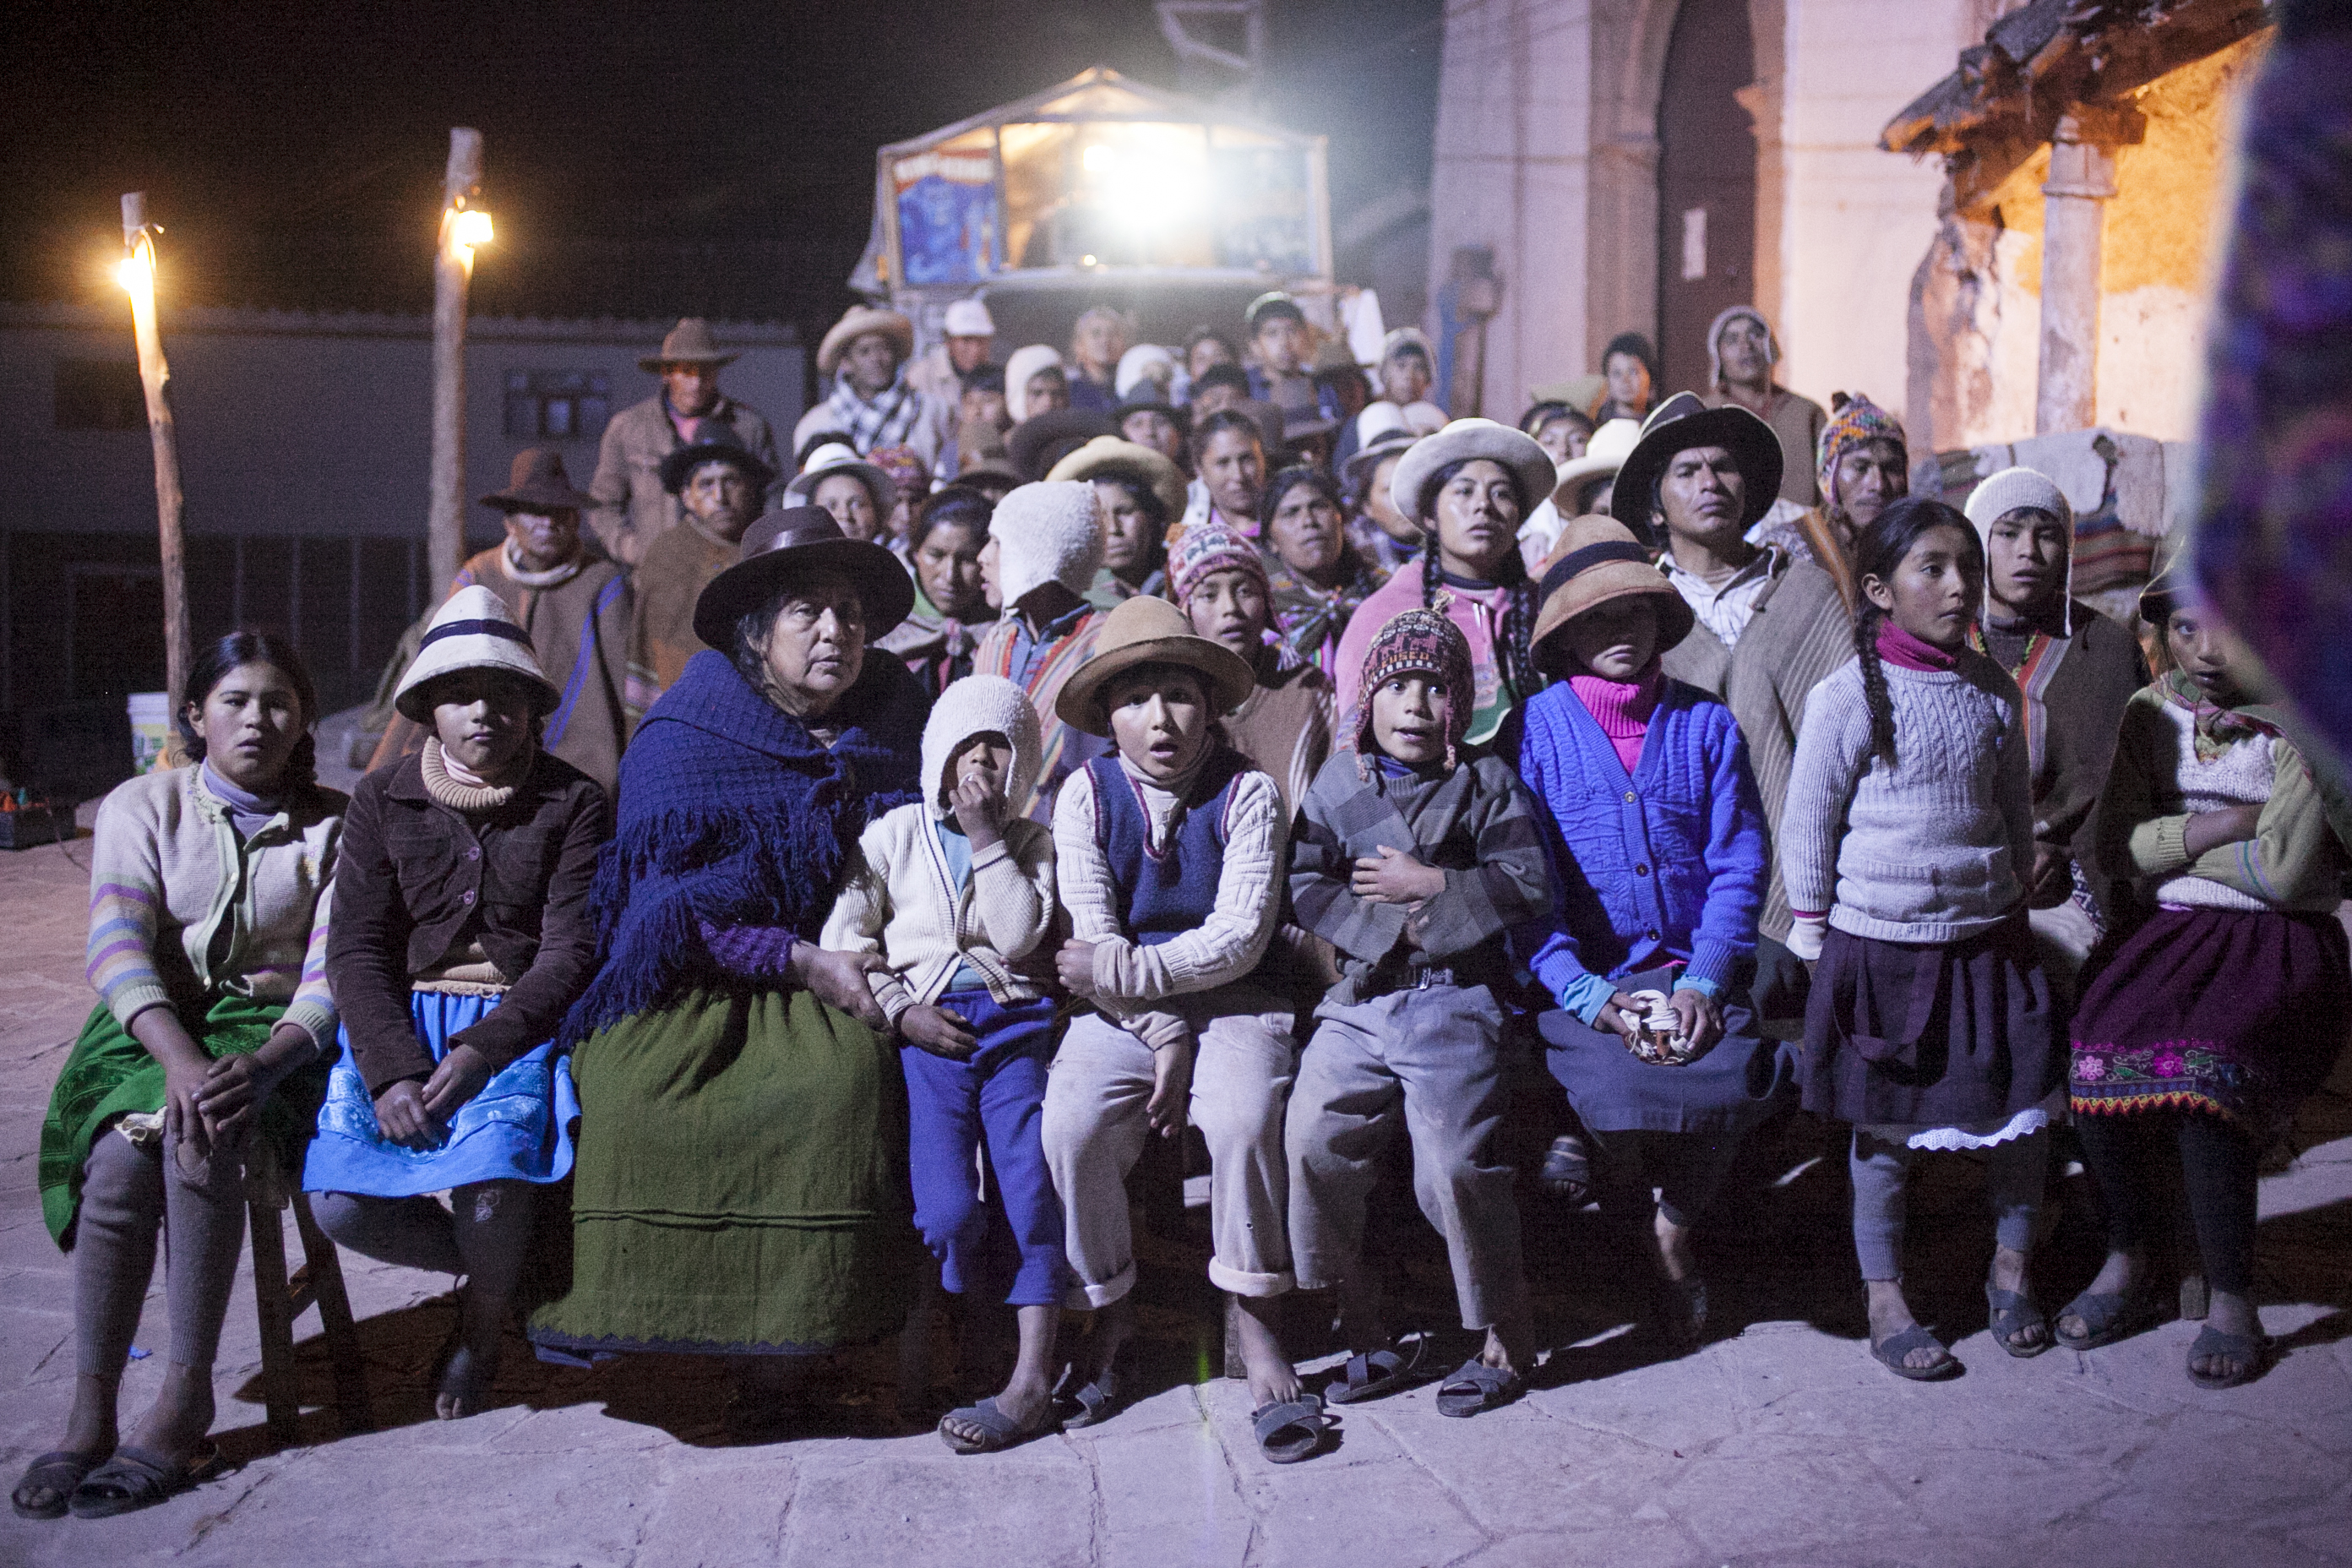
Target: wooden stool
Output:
[(319, 1281)]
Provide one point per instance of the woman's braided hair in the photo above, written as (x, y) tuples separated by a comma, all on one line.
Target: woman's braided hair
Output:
[(1514, 650), (1877, 553)]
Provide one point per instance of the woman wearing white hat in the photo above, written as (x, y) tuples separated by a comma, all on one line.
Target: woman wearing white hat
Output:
[(858, 494), (462, 935)]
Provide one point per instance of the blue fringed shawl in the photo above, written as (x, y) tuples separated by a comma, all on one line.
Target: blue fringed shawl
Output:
[(731, 812)]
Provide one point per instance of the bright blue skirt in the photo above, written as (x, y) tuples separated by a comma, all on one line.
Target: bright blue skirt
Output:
[(518, 1129)]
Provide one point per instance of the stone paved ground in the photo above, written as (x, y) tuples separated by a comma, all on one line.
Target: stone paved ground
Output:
[(1780, 1443)]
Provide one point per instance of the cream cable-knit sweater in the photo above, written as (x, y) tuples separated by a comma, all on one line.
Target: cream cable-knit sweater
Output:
[(1932, 851)]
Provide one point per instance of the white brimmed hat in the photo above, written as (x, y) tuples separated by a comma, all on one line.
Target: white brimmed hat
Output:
[(1605, 453), (1462, 440), (835, 458), (968, 319), (475, 630)]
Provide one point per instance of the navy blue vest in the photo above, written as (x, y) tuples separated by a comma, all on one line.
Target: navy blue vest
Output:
[(1163, 896)]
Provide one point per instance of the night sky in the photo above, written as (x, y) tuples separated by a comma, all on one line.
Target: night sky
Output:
[(294, 153)]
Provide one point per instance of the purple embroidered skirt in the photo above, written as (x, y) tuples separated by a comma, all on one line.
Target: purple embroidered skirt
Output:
[(2230, 1011)]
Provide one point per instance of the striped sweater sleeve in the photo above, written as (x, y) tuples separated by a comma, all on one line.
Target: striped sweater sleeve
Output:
[(313, 1006), (126, 889)]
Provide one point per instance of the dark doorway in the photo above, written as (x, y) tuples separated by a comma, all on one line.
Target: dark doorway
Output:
[(114, 614), (1706, 185)]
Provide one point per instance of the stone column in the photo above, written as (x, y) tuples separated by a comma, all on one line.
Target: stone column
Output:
[(2082, 178)]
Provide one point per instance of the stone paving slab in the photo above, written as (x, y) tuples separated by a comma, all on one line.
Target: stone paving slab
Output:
[(1778, 1446)]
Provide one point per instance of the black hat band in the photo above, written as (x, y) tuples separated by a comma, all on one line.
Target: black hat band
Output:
[(506, 629), (1577, 561)]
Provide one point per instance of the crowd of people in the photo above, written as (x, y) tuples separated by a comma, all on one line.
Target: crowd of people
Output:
[(835, 866)]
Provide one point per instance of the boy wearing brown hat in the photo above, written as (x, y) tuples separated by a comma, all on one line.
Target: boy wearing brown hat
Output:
[(1170, 857), (1414, 861)]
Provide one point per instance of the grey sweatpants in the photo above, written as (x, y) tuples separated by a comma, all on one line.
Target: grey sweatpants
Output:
[(130, 1196), (1430, 1059), (1882, 1176), (1095, 1125)]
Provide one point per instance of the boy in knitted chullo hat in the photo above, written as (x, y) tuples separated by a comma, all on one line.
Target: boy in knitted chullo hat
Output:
[(952, 891), (1413, 860)]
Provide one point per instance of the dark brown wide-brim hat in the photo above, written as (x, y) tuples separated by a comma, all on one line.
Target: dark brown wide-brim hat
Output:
[(688, 342), (714, 443), (538, 483), (786, 547), (1595, 561), (1678, 423), (1148, 629), (1041, 440)]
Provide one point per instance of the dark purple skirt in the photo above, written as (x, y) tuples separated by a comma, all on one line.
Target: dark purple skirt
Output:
[(1931, 1034), (2232, 1011)]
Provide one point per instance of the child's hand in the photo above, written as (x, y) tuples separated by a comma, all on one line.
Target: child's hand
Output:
[(942, 1031), (1698, 1018), (1171, 1089), (1620, 1013), (1075, 964), (2211, 829), (462, 1075), (979, 810), (401, 1116), (1393, 877), (2051, 882)]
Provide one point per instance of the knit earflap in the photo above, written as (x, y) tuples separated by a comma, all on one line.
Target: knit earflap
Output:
[(1050, 532), (1417, 642), (978, 705)]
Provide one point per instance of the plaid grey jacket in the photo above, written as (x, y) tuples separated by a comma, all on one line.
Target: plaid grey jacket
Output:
[(1478, 825)]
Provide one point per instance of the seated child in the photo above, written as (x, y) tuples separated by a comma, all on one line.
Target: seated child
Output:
[(1657, 840), (1170, 860), (1413, 860), (952, 891)]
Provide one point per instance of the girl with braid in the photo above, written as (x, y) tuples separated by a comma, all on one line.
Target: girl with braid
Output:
[(1468, 486), (1905, 845)]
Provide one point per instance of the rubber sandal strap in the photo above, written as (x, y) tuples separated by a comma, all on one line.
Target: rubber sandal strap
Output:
[(2252, 1353), (1475, 1386), (2105, 1318), (134, 1479), (1304, 1415), (1003, 1431), (2011, 1310), (1891, 1351)]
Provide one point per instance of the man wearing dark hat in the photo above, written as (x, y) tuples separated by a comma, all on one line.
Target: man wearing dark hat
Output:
[(576, 609), (1771, 626), (630, 506), (865, 353), (720, 485)]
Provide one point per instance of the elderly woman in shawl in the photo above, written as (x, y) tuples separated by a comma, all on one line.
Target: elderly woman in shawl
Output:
[(741, 1187)]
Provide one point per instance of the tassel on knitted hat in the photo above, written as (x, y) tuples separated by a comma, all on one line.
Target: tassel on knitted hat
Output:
[(1418, 642), (979, 705), (1050, 532)]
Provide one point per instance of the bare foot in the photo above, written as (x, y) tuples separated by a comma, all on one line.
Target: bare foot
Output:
[(1272, 1379), (175, 1425), (2119, 1275), (2229, 1314), (465, 1387)]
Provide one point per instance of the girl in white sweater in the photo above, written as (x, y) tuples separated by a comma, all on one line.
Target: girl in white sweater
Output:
[(1903, 845)]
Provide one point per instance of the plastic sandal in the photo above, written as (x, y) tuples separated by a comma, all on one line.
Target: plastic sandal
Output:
[(136, 1479), (1371, 1373), (57, 1474), (1088, 1404), (2108, 1317), (2011, 1311), (1891, 1351), (1682, 1311), (1002, 1431), (2253, 1354), (1303, 1415), (1567, 1173), (1476, 1387)]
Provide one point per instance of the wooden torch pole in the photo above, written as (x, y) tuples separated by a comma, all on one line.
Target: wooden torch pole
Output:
[(155, 376), (453, 273)]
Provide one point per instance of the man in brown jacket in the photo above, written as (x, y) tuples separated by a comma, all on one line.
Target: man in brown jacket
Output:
[(631, 506), (720, 485)]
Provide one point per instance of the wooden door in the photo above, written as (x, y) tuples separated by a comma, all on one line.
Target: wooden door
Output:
[(1707, 186)]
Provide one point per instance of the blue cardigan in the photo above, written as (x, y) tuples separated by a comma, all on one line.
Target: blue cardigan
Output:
[(733, 813), (1671, 856)]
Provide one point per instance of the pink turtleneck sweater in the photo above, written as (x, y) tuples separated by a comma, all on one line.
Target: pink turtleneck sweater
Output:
[(1622, 708)]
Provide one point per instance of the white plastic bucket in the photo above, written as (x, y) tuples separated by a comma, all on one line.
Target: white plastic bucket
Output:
[(150, 728)]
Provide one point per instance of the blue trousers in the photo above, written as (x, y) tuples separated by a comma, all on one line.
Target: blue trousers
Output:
[(999, 1093)]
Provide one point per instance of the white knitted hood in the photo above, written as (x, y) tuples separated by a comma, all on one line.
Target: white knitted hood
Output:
[(974, 706), (2005, 492), (1050, 532), (1024, 364)]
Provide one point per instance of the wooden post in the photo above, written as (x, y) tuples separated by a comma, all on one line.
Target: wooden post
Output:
[(453, 273), (154, 378)]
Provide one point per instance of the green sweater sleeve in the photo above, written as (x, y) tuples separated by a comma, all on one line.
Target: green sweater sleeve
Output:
[(2135, 839)]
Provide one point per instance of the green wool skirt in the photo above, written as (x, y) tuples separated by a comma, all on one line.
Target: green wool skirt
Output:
[(741, 1187), (108, 1075)]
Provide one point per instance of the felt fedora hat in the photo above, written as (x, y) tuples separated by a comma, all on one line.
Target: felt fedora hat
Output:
[(473, 630), (1041, 440), (782, 548), (855, 323), (1105, 455), (836, 459), (1605, 453), (1595, 561), (538, 483), (1357, 471), (1462, 440), (688, 342), (714, 443), (1148, 629), (1680, 422)]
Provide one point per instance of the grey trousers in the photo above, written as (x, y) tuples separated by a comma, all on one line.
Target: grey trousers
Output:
[(130, 1196), (1096, 1123), (1430, 1059), (1882, 1174)]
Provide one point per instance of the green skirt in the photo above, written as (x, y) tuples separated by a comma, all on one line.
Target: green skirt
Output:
[(108, 1075), (741, 1187)]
